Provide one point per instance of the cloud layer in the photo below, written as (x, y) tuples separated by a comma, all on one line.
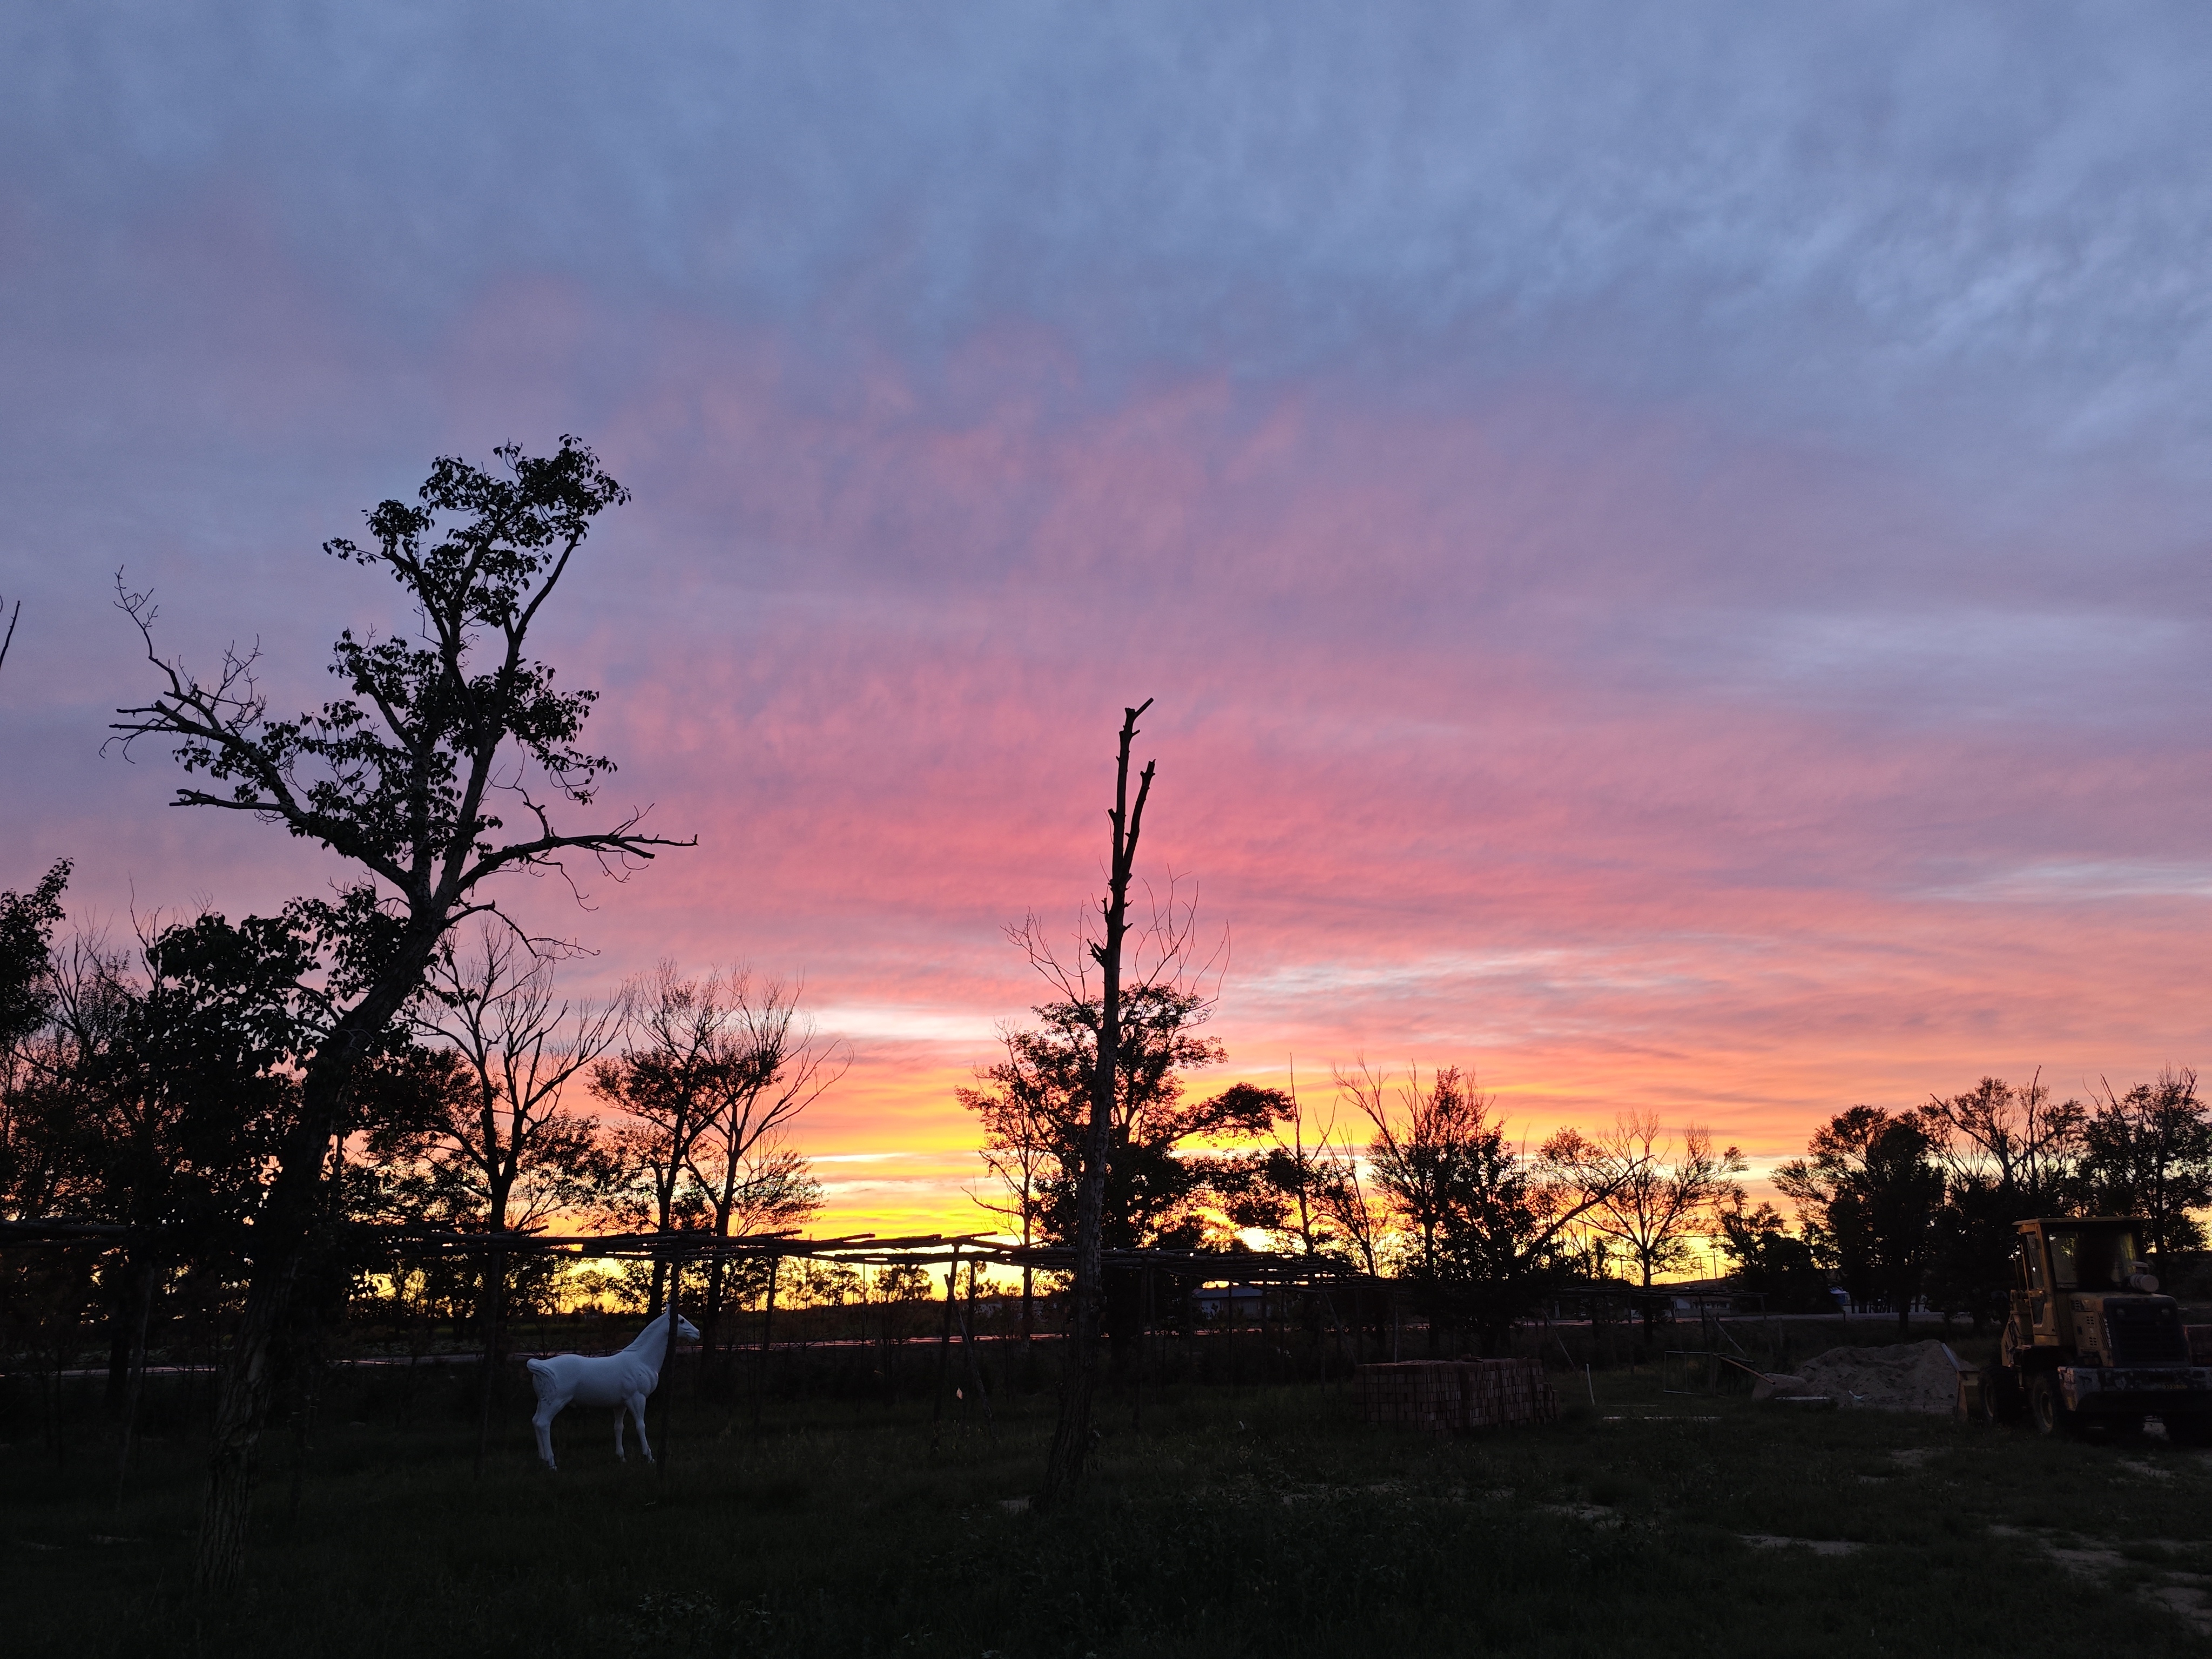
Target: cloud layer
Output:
[(1669, 551)]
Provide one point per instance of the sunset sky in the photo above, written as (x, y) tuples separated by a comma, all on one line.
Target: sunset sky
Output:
[(1669, 543)]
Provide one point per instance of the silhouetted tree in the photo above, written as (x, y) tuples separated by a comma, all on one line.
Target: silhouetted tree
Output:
[(1485, 1224), (1155, 1191), (2148, 1153), (752, 1179), (2007, 1154), (1021, 1149), (1071, 1439), (1868, 1192), (669, 1082), (28, 921), (505, 1147), (1771, 1261), (1649, 1199), (409, 776), (1289, 1185), (715, 1073)]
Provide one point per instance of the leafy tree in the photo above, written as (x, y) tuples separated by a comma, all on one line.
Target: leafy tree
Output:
[(904, 1281), (1155, 1191), (1303, 1190), (1771, 1262), (189, 1084), (28, 921), (409, 776), (2148, 1153), (1868, 1191), (30, 1170)]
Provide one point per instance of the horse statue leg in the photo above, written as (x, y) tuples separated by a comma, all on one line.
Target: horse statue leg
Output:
[(542, 1422), (549, 1401), (620, 1455), (637, 1410)]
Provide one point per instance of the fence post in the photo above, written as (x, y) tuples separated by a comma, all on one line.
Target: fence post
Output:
[(668, 1373), (495, 1289), (945, 1342), (768, 1332)]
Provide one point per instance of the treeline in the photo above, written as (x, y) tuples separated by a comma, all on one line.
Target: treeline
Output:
[(1420, 1179), (1919, 1203), (151, 1085)]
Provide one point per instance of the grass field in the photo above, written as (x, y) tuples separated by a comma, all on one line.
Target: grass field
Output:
[(1263, 1523)]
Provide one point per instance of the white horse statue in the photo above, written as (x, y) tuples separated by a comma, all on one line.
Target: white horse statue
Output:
[(621, 1380)]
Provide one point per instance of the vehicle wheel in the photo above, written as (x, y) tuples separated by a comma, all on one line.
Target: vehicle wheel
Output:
[(2046, 1407), (2188, 1431)]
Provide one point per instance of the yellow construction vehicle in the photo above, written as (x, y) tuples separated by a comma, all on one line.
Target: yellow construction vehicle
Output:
[(2089, 1341)]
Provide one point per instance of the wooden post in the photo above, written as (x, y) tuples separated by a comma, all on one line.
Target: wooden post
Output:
[(1028, 1330), (495, 1288), (945, 1342), (1143, 1349), (967, 1348), (768, 1332), (666, 1386), (1235, 1379)]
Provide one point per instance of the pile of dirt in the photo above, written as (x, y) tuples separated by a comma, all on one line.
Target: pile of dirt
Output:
[(1910, 1376)]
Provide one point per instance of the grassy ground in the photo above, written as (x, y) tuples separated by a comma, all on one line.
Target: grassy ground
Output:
[(1265, 1522)]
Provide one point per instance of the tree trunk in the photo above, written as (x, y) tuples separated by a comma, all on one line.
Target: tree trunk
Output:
[(282, 1235), (1071, 1438), (242, 1407), (142, 1296)]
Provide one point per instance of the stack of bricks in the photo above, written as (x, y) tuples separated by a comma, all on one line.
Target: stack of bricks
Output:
[(1443, 1396)]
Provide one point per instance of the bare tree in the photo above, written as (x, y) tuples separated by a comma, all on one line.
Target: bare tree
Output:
[(1418, 1143), (773, 1065), (519, 1153), (14, 616), (1341, 1188), (669, 1081), (715, 1075), (2018, 1141), (1652, 1201), (1021, 1151), (1297, 1176), (1071, 1439), (2148, 1153), (405, 777)]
